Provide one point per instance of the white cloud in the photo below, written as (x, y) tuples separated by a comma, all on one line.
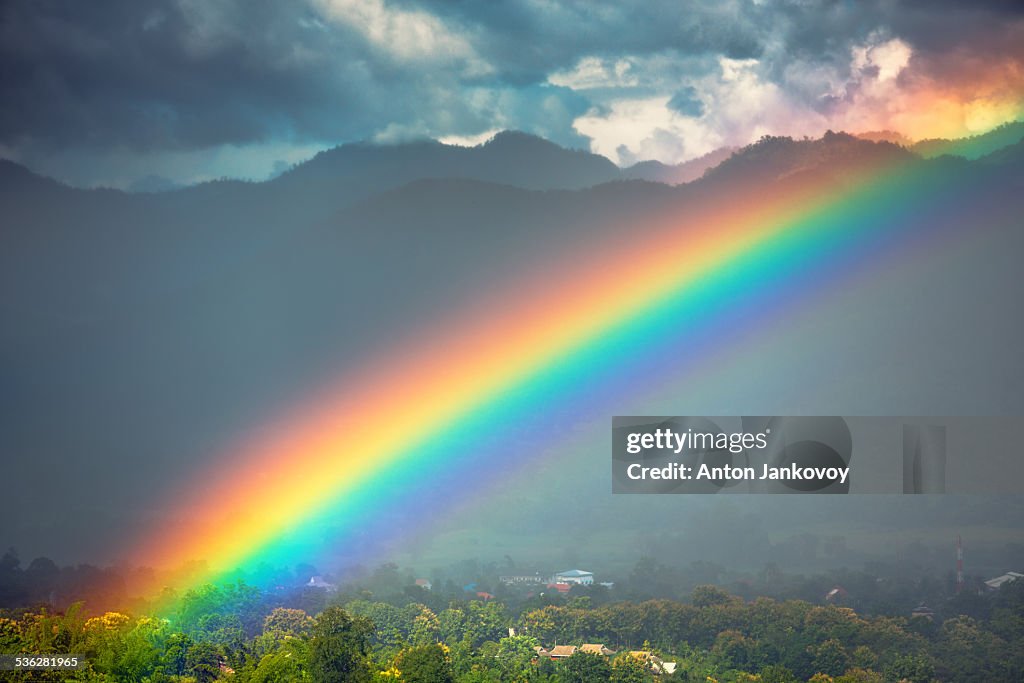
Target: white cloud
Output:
[(888, 59), (469, 140), (406, 35), (881, 85), (595, 72), (741, 106)]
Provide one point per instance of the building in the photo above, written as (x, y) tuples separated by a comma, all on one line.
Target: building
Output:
[(562, 651), (1000, 581), (837, 594), (923, 611), (576, 576), (522, 580), (596, 649), (424, 583), (656, 665), (319, 582)]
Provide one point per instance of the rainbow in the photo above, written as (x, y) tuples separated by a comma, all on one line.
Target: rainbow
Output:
[(461, 406)]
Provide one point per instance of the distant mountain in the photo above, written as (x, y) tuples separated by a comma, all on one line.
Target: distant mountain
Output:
[(509, 158), (1009, 160), (677, 174), (773, 158), (153, 183), (154, 328), (973, 147), (72, 255), (886, 136)]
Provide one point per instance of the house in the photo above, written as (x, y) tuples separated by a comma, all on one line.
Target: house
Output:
[(1000, 581), (319, 582), (923, 611), (655, 664), (485, 596), (424, 583), (576, 576), (562, 651), (522, 579), (541, 652), (560, 587), (837, 594), (596, 649)]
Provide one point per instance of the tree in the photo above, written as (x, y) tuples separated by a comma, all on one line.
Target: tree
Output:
[(288, 622), (390, 625), (140, 655), (585, 667), (175, 654), (629, 669), (203, 662), (338, 647), (912, 668), (706, 596), (286, 663), (776, 673), (856, 675), (235, 600), (485, 621), (736, 650), (424, 664), (830, 658), (515, 657), (425, 627)]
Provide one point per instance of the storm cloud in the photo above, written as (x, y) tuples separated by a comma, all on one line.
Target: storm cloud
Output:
[(115, 91)]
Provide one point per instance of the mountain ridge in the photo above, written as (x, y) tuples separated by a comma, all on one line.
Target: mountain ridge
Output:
[(510, 157)]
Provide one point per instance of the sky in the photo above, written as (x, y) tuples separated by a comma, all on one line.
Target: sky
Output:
[(153, 91)]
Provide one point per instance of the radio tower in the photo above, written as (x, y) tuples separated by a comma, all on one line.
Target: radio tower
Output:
[(959, 564)]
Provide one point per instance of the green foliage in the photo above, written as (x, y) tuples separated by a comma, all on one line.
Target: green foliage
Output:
[(485, 621), (971, 653), (911, 668), (515, 657), (288, 662), (175, 652), (339, 646), (776, 673), (719, 637), (424, 664), (585, 667), (426, 627), (830, 657), (629, 669), (707, 596), (391, 625), (210, 608), (202, 661), (288, 622)]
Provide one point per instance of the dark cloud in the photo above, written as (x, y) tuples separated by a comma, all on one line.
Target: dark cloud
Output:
[(686, 102), (180, 75)]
